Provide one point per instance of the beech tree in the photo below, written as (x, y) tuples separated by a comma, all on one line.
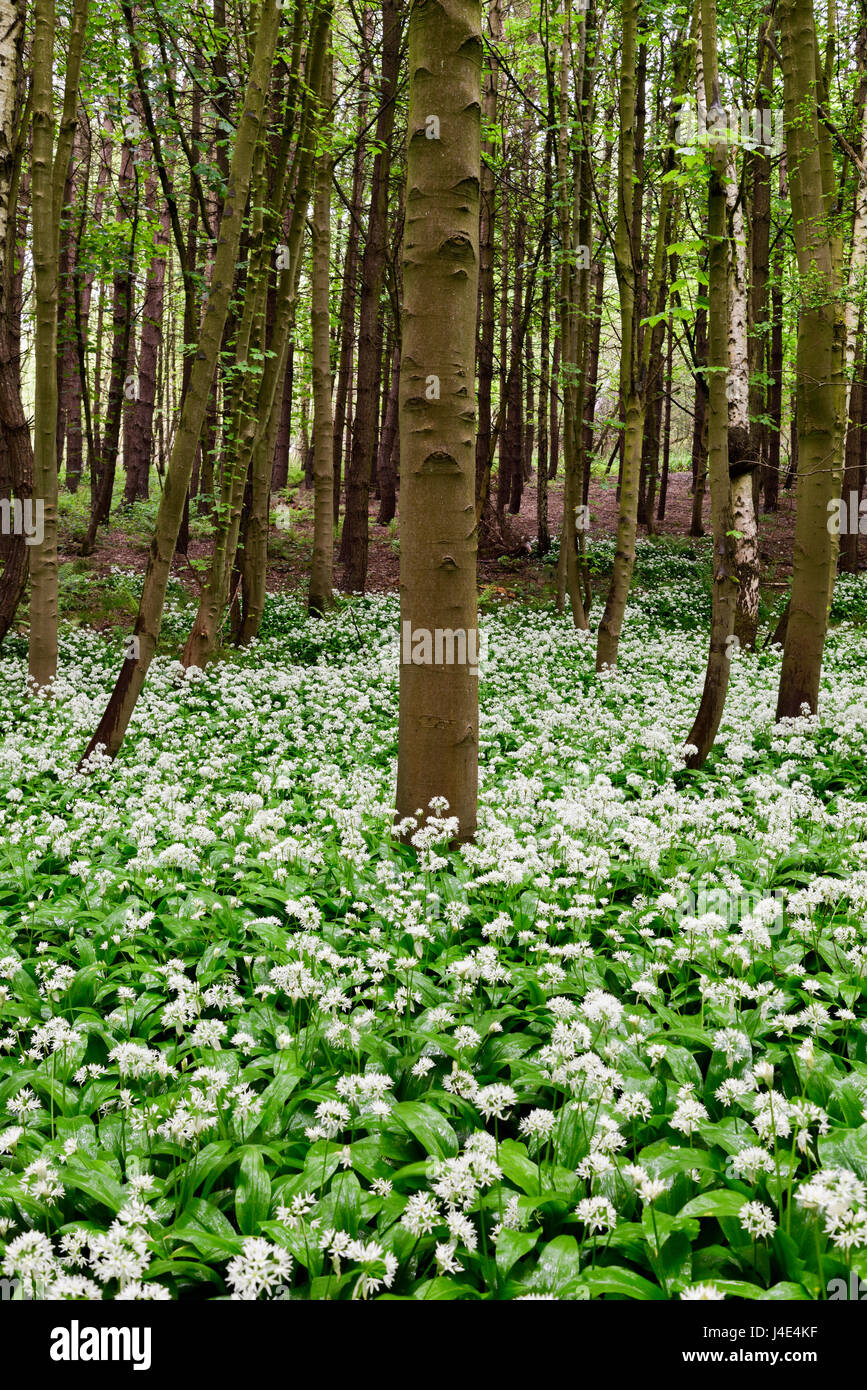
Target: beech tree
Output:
[(821, 394), (438, 728)]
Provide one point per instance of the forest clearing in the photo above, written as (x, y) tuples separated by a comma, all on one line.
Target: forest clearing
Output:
[(433, 700)]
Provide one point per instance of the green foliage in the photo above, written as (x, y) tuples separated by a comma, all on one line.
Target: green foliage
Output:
[(255, 1046)]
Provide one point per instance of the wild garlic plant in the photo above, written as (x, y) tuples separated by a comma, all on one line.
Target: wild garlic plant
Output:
[(253, 1046)]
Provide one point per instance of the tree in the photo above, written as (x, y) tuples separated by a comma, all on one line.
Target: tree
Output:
[(16, 450), (821, 355), (438, 725), (625, 256), (704, 729), (320, 597), (113, 724), (49, 169), (354, 540)]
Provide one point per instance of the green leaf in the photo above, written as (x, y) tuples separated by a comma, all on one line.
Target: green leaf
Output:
[(512, 1246), (518, 1167), (559, 1264), (253, 1193), (614, 1279), (720, 1202), (96, 1178), (436, 1290), (428, 1126), (785, 1292)]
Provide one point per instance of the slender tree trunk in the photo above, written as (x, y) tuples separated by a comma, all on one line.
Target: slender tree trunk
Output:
[(254, 561), (141, 439), (280, 473), (759, 167), (855, 350), (701, 737), (90, 398), (76, 384), (598, 272), (49, 169), (624, 257), (775, 389), (386, 468), (543, 535), (575, 224), (354, 539), (666, 427), (321, 596), (554, 430), (349, 289), (510, 482), (699, 426), (853, 480), (122, 317), (68, 397), (488, 212), (115, 720), (743, 457), (16, 452)]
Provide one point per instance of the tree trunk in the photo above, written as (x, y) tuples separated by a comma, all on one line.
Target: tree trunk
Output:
[(743, 458), (48, 179), (68, 394), (280, 473), (666, 426), (488, 210), (321, 596), (699, 425), (115, 720), (775, 389), (820, 370), (386, 469), (141, 440), (254, 561), (16, 451), (543, 535), (354, 539), (438, 727), (349, 289), (703, 732), (624, 258), (122, 317)]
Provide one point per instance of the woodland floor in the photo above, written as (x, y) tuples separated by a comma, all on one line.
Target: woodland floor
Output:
[(504, 576)]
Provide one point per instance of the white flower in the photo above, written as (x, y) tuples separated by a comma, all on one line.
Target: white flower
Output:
[(496, 1100), (421, 1214), (757, 1220), (259, 1269), (597, 1213), (538, 1125)]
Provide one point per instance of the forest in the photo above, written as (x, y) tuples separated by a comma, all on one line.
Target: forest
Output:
[(433, 708)]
